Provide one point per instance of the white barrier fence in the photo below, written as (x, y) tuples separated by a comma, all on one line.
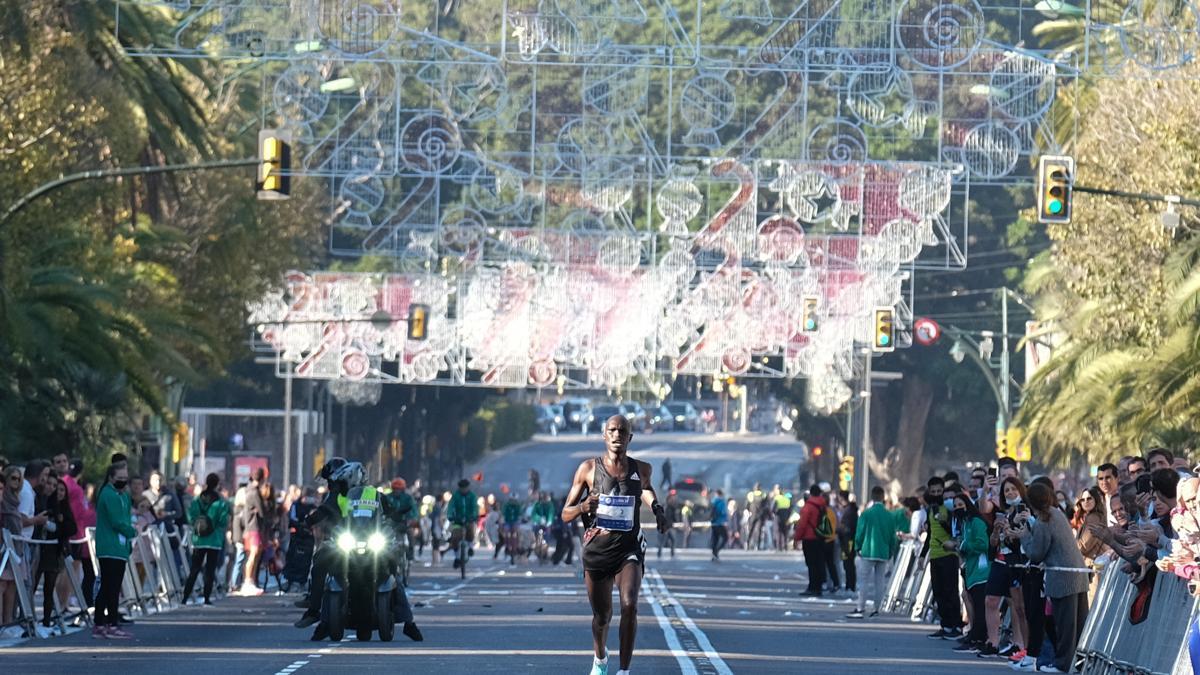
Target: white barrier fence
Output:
[(1110, 643), (153, 582)]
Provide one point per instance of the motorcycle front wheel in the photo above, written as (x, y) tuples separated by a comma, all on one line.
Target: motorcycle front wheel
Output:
[(335, 615), (385, 616)]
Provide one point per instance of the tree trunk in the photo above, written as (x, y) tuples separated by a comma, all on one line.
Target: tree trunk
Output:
[(899, 468)]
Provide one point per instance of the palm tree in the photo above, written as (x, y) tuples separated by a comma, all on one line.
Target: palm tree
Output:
[(1108, 400)]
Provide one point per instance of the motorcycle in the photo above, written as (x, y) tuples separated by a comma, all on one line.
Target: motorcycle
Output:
[(360, 588)]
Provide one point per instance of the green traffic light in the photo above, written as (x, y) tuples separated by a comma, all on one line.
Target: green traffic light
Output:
[(810, 324), (1054, 206), (884, 339)]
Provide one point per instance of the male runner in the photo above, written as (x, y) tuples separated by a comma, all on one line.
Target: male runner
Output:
[(614, 549)]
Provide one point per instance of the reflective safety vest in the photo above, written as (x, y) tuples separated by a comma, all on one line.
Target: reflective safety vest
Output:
[(782, 502), (360, 503)]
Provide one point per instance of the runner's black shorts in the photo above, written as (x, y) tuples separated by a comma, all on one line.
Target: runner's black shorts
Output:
[(606, 552)]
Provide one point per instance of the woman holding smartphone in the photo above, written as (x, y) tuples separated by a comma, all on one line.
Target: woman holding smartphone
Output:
[(1006, 573)]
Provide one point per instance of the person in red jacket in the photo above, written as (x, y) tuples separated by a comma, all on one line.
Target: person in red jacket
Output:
[(811, 542)]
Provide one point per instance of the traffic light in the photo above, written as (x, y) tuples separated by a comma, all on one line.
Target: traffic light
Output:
[(274, 179), (809, 321), (816, 452), (1056, 173), (885, 330), (846, 472), (180, 441), (418, 321)]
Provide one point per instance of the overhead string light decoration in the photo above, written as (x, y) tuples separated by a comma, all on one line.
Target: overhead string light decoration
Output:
[(594, 194)]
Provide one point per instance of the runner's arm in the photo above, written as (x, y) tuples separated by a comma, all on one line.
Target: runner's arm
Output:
[(572, 509)]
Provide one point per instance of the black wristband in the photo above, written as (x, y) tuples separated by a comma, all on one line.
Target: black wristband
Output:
[(656, 508)]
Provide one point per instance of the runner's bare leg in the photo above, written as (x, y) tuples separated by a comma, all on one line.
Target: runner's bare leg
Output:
[(600, 596), (629, 581)]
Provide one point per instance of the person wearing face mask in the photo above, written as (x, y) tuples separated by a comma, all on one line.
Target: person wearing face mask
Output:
[(114, 537), (972, 547), (943, 562), (1006, 575)]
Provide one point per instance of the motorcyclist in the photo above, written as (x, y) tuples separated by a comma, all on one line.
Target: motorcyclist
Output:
[(462, 513), (321, 521), (334, 510)]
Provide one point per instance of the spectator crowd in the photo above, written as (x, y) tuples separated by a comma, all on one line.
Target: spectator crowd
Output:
[(1013, 565)]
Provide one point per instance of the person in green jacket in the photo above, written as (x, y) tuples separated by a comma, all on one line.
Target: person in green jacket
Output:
[(209, 516), (875, 539), (114, 539), (971, 543)]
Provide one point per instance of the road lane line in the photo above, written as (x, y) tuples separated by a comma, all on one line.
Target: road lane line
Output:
[(686, 667), (710, 654)]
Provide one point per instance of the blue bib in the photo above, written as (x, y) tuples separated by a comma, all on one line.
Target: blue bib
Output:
[(615, 512)]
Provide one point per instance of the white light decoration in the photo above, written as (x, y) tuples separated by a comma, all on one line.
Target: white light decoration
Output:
[(595, 194)]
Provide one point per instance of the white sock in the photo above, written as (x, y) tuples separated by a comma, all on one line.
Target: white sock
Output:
[(601, 661), (622, 672)]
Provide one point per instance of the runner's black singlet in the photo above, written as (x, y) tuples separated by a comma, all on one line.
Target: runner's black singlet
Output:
[(605, 551)]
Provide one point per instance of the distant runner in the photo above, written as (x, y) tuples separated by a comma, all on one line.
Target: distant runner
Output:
[(614, 549)]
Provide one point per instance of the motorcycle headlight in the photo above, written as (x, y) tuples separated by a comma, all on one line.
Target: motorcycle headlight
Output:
[(376, 542), (345, 541)]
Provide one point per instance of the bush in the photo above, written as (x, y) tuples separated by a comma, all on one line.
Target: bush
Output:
[(499, 422)]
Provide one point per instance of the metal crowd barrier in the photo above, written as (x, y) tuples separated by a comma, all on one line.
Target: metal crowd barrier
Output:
[(909, 591), (1110, 644), (152, 580), (17, 556)]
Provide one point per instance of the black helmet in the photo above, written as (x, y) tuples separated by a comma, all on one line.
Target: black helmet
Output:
[(331, 467), (464, 483)]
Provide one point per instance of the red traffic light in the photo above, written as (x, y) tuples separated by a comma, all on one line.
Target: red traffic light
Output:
[(816, 452)]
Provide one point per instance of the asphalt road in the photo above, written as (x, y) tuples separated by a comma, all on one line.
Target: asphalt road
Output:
[(720, 460), (740, 615)]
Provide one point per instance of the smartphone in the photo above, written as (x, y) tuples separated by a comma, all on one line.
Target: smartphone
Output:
[(1022, 508), (991, 471)]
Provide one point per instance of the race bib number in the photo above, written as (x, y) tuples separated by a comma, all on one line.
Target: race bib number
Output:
[(615, 512)]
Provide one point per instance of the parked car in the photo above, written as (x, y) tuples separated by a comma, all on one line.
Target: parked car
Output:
[(636, 414), (604, 411), (661, 418), (684, 416), (550, 419), (692, 489), (578, 413)]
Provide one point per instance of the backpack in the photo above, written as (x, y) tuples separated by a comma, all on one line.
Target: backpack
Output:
[(826, 527), (203, 524)]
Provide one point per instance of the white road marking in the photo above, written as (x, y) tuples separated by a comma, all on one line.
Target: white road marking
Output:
[(693, 596), (686, 667), (550, 591), (718, 664)]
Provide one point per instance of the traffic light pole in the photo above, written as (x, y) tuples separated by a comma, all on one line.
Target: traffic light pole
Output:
[(53, 185), (1142, 196), (864, 464)]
